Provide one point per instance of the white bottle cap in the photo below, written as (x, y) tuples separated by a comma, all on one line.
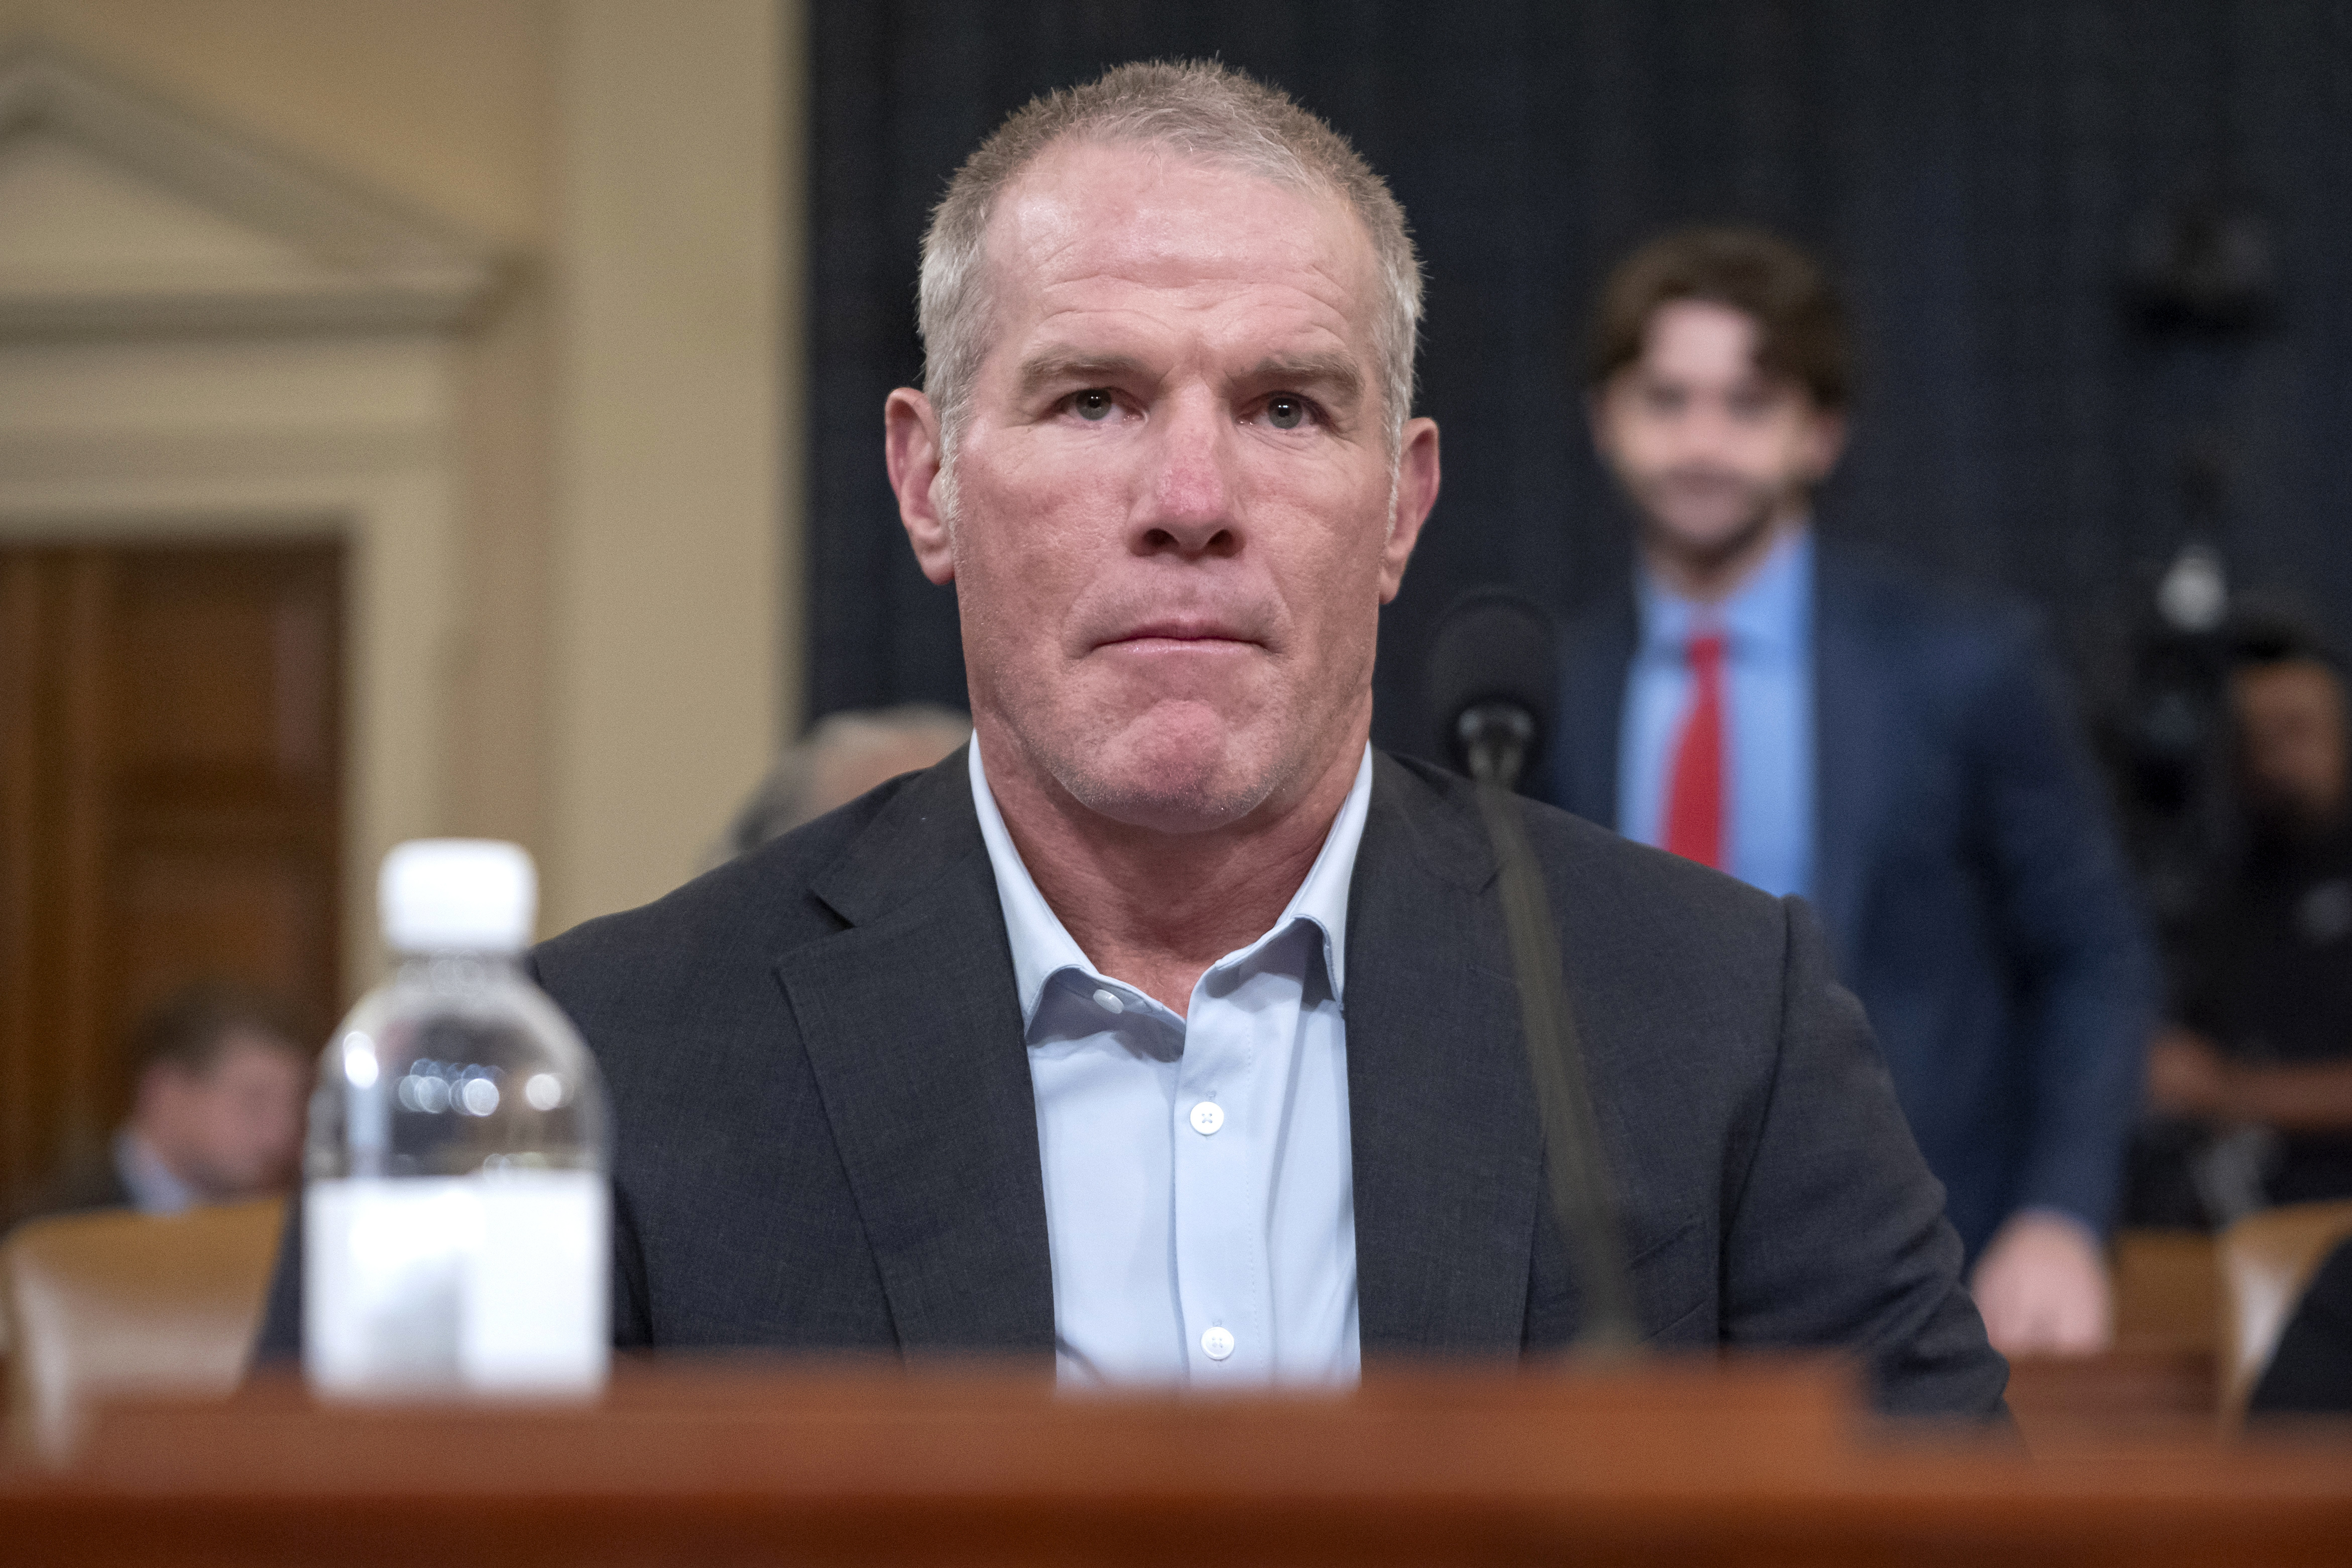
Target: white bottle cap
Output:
[(457, 895)]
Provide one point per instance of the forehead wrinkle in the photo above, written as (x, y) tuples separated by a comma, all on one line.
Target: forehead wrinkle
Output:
[(1066, 326), (1313, 282), (1052, 224), (1128, 271), (1306, 310)]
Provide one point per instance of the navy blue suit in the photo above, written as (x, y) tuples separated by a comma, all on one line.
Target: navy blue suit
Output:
[(1965, 869)]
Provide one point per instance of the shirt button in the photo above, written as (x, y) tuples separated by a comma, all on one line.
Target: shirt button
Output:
[(1207, 1117), (1109, 1002), (1218, 1343)]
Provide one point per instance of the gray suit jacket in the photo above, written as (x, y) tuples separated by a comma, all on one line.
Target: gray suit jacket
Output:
[(826, 1138)]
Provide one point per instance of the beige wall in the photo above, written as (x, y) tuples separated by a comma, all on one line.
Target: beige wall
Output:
[(667, 577), (623, 584), (447, 103)]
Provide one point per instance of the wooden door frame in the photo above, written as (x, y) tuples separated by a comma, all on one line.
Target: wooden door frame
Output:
[(277, 439), (171, 803)]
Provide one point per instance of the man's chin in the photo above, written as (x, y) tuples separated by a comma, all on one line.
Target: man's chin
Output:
[(1197, 802), (1169, 777), (1709, 539)]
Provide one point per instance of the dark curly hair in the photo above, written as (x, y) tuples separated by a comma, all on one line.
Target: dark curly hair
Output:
[(1800, 319)]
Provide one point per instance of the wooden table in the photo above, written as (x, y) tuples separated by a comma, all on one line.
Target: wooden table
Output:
[(753, 1462), (2137, 1391)]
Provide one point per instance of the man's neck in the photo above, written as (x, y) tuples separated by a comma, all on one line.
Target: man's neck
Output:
[(1710, 579), (1156, 909)]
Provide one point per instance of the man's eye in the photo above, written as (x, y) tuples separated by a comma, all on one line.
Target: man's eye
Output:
[(1094, 404), (1286, 412)]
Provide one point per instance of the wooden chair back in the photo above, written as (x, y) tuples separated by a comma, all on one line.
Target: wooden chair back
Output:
[(2267, 1260), (115, 1303)]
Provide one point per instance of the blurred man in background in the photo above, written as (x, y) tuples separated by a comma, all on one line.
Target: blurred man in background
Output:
[(1766, 704), (2263, 1042), (217, 1113)]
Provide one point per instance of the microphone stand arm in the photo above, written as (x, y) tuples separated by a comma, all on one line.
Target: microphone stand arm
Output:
[(1581, 1190)]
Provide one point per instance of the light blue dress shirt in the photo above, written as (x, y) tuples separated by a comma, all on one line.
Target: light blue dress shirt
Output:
[(1768, 627), (1199, 1191)]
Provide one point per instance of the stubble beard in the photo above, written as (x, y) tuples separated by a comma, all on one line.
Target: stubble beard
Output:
[(1171, 772), (1070, 757), (1196, 784), (1707, 556)]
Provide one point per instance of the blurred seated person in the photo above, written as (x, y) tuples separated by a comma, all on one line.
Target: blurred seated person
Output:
[(843, 755), (217, 1113), (2265, 1032)]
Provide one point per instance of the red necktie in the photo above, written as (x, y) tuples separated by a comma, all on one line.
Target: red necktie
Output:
[(1695, 791)]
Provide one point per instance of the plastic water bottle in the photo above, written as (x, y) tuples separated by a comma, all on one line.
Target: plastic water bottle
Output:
[(457, 1209)]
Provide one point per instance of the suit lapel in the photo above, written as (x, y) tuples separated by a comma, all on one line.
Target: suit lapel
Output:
[(1448, 1155), (913, 1028), (1854, 704)]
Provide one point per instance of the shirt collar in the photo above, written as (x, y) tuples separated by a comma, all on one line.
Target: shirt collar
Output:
[(1770, 613), (1043, 947)]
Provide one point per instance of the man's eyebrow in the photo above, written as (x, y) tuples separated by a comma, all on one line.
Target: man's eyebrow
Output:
[(1062, 366), (1337, 373)]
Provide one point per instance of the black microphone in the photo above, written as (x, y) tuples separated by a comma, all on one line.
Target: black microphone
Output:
[(1493, 684), (1494, 681)]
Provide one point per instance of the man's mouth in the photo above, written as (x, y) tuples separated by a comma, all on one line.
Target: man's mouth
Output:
[(1704, 482), (1181, 634)]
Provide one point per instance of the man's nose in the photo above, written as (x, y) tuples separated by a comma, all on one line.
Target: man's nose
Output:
[(1188, 501), (1708, 427)]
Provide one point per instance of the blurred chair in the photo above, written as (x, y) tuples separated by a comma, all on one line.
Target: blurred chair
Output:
[(2267, 1261), (106, 1304)]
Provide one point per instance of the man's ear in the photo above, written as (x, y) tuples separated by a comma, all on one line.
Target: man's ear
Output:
[(910, 449), (1824, 443), (1416, 493)]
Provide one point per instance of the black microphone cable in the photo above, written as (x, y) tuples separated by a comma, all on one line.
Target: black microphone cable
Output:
[(1494, 679)]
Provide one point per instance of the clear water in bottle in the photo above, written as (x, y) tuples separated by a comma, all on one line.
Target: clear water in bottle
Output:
[(457, 1217)]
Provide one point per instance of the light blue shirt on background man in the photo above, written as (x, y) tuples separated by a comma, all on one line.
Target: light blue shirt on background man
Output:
[(1768, 666), (1200, 1194)]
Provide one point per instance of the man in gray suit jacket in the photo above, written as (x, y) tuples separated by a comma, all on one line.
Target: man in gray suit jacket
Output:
[(1167, 1031)]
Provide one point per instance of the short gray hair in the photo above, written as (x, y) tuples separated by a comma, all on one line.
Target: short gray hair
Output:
[(1203, 109)]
